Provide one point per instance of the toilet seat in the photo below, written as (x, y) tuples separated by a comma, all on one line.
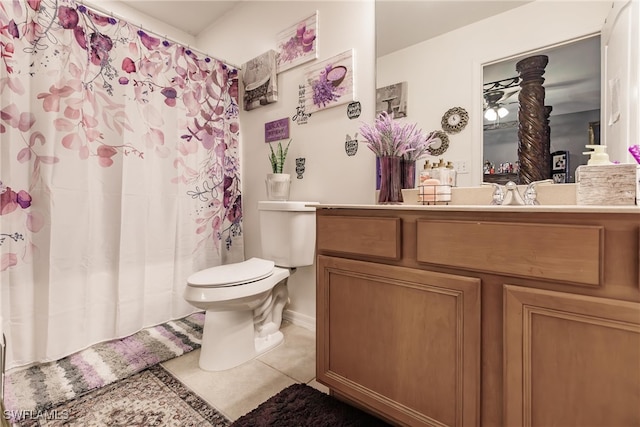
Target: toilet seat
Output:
[(235, 274), (201, 295)]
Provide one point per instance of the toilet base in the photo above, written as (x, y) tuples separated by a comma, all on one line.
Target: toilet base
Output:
[(264, 344), (228, 340)]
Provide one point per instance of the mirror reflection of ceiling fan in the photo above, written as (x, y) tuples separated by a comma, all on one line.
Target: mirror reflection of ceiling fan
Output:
[(496, 94), (494, 104)]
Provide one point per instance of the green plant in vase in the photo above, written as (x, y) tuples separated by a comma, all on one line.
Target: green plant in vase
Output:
[(278, 183), (278, 157)]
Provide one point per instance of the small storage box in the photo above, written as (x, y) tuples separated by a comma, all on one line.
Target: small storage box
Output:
[(608, 184)]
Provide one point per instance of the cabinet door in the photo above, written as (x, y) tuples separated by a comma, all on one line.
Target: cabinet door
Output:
[(570, 360), (402, 342)]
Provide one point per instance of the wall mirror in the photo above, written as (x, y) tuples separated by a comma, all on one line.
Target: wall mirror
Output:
[(572, 90), (465, 40)]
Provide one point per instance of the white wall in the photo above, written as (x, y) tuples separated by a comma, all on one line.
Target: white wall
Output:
[(446, 71), (621, 59), (133, 16), (331, 176)]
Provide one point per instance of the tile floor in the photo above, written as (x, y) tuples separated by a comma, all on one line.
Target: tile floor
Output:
[(239, 390)]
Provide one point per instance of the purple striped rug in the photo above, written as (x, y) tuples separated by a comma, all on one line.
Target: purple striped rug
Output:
[(43, 386)]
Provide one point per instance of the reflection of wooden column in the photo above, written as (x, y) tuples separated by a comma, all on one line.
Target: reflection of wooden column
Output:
[(531, 118), (547, 141)]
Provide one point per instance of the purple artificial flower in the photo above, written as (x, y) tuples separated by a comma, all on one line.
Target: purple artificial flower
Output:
[(388, 137), (419, 145), (384, 137)]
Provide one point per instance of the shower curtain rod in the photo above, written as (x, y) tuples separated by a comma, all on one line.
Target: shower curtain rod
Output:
[(164, 36)]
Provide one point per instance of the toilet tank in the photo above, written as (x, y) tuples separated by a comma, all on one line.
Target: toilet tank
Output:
[(288, 232)]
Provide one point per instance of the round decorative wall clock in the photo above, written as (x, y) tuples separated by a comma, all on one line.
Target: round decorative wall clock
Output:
[(440, 143), (455, 119)]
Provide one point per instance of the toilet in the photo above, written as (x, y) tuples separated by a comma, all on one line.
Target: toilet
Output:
[(244, 301)]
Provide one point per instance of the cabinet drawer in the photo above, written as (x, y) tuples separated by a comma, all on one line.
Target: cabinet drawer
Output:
[(369, 236), (571, 253)]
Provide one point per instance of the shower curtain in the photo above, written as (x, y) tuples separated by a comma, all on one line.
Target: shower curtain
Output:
[(119, 172)]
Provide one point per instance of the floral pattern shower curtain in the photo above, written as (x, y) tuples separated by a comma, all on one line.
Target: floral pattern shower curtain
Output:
[(119, 172)]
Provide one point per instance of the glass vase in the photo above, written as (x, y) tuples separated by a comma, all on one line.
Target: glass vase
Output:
[(390, 180), (408, 168)]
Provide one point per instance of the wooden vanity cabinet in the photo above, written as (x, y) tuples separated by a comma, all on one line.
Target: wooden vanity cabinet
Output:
[(401, 341), (571, 360), (457, 318)]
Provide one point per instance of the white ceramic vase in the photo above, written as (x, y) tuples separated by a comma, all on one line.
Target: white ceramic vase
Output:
[(278, 185)]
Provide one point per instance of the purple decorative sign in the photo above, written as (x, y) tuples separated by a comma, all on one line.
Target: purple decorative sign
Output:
[(276, 130)]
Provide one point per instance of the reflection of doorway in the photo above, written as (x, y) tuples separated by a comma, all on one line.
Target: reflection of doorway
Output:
[(594, 133), (572, 88)]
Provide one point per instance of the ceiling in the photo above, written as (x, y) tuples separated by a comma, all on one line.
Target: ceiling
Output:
[(400, 24), (412, 17), (192, 17), (572, 76)]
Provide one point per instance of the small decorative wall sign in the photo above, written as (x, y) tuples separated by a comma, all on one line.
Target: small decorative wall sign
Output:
[(298, 43), (392, 99), (260, 81), (300, 161), (353, 110), (276, 130), (301, 117), (329, 83), (351, 145)]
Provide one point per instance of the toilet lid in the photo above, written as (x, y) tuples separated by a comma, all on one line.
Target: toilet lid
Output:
[(233, 274)]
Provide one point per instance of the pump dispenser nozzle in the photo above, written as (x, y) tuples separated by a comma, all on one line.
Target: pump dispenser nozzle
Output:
[(598, 156)]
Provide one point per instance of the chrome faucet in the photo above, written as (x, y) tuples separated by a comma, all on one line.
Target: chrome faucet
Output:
[(512, 196), (509, 194)]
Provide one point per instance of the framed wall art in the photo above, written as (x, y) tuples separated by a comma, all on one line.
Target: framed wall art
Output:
[(260, 81), (392, 99), (329, 83), (276, 130), (298, 43)]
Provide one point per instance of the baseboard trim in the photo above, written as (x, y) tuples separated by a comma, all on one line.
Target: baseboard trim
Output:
[(299, 319)]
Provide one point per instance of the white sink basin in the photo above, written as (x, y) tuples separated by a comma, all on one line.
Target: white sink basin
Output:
[(548, 195)]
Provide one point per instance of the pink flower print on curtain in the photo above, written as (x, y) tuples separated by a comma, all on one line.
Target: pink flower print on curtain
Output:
[(123, 172)]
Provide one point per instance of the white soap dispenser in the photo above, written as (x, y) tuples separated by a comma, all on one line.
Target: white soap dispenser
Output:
[(598, 156)]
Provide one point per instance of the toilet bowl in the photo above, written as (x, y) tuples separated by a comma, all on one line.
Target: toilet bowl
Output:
[(244, 301), (243, 310)]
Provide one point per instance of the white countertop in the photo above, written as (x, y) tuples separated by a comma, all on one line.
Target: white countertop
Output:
[(490, 208)]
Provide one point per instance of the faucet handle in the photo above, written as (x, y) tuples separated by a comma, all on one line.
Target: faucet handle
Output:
[(498, 194), (531, 195)]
